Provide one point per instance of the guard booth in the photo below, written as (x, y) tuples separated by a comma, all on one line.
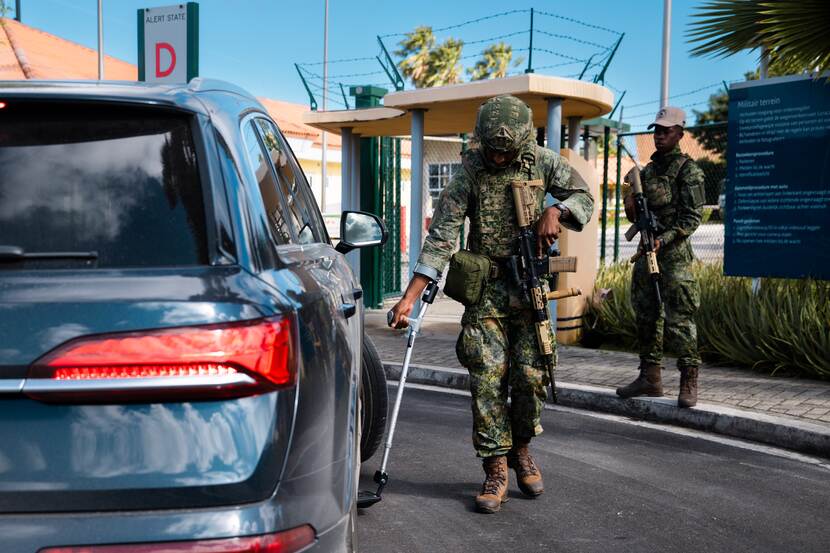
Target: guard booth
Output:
[(450, 111)]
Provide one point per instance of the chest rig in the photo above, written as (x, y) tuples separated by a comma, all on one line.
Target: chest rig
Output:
[(491, 208), (661, 188)]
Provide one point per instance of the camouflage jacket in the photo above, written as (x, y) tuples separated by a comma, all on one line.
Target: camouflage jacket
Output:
[(486, 198), (673, 187)]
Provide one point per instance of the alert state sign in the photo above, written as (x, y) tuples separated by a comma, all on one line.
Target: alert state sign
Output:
[(168, 43)]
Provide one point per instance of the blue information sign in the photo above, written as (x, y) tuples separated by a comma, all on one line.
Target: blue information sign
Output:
[(778, 186)]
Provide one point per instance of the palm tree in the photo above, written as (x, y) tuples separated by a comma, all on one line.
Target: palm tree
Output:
[(494, 62), (445, 64), (415, 51), (793, 32)]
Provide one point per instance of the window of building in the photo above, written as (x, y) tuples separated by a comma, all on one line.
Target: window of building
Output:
[(439, 177)]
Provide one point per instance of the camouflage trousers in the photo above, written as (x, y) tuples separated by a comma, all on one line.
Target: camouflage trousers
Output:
[(673, 324), (498, 347)]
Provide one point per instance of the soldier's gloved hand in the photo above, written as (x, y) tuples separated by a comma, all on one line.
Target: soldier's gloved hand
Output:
[(548, 229)]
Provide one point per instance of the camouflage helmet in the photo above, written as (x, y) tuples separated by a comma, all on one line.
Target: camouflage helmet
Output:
[(504, 124)]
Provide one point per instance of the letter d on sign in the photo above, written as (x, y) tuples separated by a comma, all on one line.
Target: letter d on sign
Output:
[(165, 46)]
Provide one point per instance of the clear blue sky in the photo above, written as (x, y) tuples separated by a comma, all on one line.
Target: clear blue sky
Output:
[(255, 43)]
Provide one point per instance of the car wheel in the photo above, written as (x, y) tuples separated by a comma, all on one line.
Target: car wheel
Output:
[(373, 400)]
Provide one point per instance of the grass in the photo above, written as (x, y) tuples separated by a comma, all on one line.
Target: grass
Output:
[(785, 327)]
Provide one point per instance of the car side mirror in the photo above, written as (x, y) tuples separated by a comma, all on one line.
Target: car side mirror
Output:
[(359, 229)]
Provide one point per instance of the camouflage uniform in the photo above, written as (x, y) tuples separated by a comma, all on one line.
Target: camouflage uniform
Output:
[(673, 187), (497, 344)]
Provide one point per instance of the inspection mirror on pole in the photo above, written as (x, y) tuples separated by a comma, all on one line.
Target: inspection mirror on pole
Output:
[(168, 43)]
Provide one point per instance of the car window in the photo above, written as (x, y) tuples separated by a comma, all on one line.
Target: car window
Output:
[(304, 192), (292, 185), (281, 228), (122, 182)]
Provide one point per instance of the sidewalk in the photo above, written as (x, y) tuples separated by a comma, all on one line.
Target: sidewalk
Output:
[(788, 412)]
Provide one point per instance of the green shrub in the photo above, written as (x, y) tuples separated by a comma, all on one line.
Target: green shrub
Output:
[(784, 327)]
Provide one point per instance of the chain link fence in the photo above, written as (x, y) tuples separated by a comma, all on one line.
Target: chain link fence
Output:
[(706, 145)]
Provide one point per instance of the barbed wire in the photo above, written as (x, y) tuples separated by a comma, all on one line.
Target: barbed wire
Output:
[(563, 64), (479, 54), (566, 56), (680, 95), (578, 22), (603, 47), (344, 60), (465, 23), (496, 37)]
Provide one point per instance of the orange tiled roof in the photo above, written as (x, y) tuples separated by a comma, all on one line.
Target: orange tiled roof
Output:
[(29, 53), (289, 117)]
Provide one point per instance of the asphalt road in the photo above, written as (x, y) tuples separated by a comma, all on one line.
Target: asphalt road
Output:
[(611, 485)]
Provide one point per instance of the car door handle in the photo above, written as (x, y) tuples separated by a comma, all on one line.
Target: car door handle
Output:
[(357, 293), (348, 309)]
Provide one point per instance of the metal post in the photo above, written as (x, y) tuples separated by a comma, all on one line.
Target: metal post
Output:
[(17, 10), (100, 40), (573, 132), (345, 167), (554, 124), (416, 208), (354, 196), (664, 77), (324, 168), (606, 140), (530, 48), (763, 73), (617, 191)]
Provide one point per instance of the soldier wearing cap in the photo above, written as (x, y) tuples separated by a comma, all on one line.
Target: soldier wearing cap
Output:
[(497, 343), (673, 187)]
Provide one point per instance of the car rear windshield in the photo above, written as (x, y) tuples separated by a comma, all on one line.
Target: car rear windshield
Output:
[(119, 183)]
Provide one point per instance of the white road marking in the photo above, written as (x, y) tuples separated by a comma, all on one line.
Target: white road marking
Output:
[(723, 440)]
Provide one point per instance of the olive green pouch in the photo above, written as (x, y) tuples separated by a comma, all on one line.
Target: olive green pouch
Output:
[(467, 276)]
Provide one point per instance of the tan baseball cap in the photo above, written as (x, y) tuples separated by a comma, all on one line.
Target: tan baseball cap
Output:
[(670, 116)]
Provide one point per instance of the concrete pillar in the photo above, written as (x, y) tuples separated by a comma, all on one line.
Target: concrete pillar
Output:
[(573, 132), (554, 125), (416, 208)]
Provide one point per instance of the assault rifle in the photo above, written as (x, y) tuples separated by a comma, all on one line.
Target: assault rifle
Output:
[(528, 269), (646, 226)]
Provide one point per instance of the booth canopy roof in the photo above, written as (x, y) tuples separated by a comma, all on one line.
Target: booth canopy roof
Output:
[(452, 109)]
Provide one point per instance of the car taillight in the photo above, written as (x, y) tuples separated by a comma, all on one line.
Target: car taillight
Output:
[(226, 360), (289, 541)]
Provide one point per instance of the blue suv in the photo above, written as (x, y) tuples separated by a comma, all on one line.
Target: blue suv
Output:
[(182, 358)]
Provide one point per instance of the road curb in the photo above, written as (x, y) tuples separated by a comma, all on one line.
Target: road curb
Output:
[(790, 434)]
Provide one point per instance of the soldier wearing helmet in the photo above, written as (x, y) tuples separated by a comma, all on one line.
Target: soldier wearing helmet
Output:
[(497, 343)]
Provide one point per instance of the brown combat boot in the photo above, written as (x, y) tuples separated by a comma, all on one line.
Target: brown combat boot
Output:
[(494, 491), (649, 383), (688, 387), (527, 473)]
